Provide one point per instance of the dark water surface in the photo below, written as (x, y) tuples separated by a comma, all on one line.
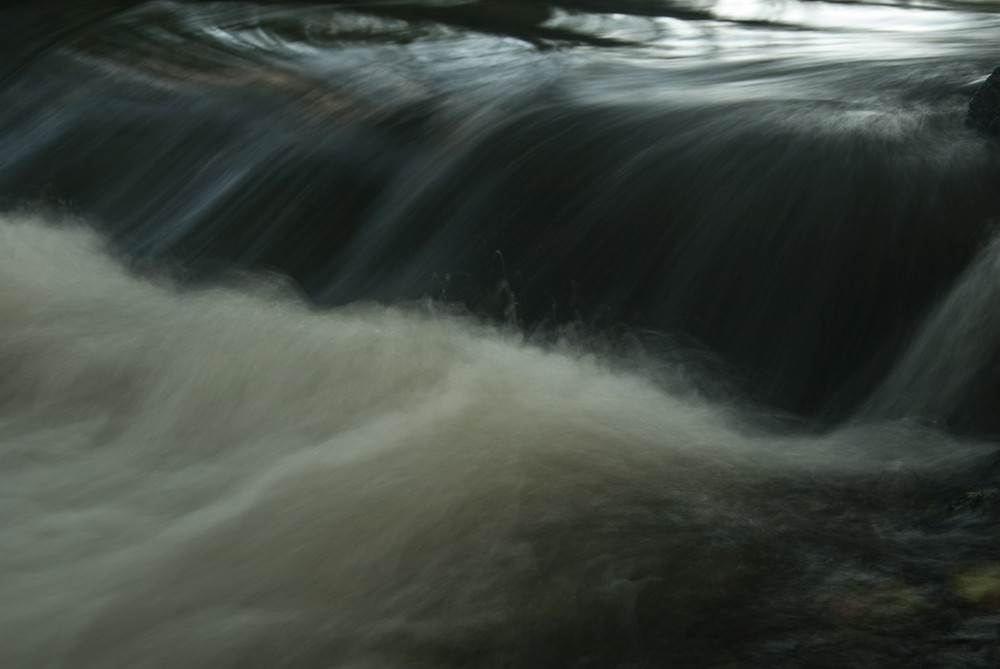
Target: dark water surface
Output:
[(594, 333)]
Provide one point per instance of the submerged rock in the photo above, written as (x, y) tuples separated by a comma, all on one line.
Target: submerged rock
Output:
[(984, 109)]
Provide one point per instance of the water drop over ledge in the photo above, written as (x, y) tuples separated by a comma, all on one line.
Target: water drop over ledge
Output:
[(497, 334)]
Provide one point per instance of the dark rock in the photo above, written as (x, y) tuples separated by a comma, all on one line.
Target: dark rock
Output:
[(984, 109)]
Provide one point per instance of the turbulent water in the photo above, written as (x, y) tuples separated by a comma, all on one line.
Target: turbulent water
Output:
[(583, 333)]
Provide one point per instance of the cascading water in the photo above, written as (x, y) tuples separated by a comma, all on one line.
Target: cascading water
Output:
[(498, 334)]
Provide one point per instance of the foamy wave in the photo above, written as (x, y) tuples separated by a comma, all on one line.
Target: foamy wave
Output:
[(221, 477)]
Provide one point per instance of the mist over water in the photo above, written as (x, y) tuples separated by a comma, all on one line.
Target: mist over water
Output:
[(498, 334)]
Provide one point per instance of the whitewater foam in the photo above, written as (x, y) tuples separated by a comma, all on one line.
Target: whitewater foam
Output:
[(226, 476)]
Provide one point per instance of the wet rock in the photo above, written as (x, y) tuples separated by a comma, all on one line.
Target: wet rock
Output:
[(984, 109)]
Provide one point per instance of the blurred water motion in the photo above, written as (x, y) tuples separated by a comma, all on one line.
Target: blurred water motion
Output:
[(592, 333)]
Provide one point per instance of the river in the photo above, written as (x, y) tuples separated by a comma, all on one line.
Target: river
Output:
[(498, 333)]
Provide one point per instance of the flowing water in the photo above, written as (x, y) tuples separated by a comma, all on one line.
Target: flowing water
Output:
[(498, 333)]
